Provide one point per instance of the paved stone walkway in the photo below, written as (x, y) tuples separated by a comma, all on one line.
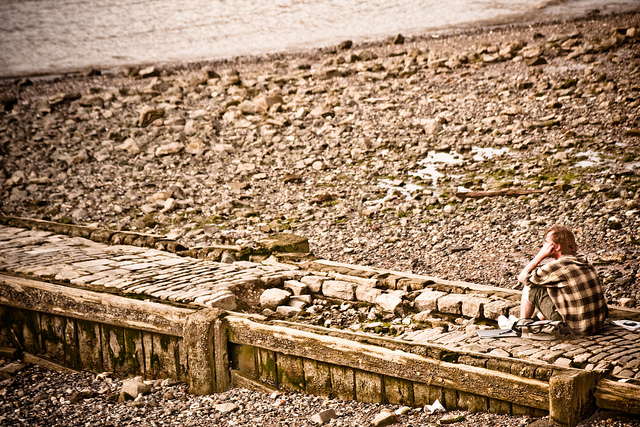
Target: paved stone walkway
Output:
[(158, 274), (166, 276)]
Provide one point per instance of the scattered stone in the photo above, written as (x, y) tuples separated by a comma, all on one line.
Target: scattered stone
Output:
[(272, 298), (384, 419), (225, 408), (134, 387), (324, 416)]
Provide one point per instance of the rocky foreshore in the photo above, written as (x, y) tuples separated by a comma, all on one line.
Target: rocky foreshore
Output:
[(446, 156), (36, 396)]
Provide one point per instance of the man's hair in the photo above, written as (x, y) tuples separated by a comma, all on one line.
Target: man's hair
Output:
[(563, 236)]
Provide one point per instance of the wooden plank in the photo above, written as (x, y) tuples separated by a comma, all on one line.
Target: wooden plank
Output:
[(339, 351), (499, 407), (53, 337), (290, 373), (368, 387), (472, 402), (317, 376), (147, 344), (94, 306), (133, 353), (242, 381), (266, 367), (112, 338), (71, 349), (618, 396), (343, 382), (164, 359), (90, 346), (242, 358), (424, 394), (221, 358), (398, 391), (450, 399), (21, 329)]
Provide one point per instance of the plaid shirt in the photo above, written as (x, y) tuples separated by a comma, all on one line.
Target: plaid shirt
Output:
[(575, 289)]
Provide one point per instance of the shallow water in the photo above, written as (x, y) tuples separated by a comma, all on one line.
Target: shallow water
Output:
[(45, 36)]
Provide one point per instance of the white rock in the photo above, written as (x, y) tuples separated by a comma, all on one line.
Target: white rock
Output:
[(272, 298), (172, 148), (339, 289)]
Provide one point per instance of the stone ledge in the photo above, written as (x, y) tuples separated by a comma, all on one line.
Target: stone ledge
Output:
[(280, 243)]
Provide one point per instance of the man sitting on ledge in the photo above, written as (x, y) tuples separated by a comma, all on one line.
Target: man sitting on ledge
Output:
[(567, 288)]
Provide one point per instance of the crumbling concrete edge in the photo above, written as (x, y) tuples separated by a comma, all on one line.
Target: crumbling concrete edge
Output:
[(296, 247)]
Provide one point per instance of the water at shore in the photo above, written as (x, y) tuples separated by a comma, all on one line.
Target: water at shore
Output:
[(48, 36)]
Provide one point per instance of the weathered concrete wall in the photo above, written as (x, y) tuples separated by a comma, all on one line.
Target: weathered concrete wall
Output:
[(303, 361), (102, 332), (212, 350)]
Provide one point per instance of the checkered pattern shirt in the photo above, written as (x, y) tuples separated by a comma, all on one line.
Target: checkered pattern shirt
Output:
[(575, 289)]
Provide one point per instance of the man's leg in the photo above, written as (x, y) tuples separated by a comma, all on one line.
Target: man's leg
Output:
[(538, 297), (526, 308)]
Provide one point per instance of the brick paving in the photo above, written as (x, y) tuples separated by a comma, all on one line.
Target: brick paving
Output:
[(167, 276)]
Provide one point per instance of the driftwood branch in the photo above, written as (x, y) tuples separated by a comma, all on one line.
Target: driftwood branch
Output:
[(501, 192)]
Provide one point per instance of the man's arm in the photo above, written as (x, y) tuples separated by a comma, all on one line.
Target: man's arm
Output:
[(544, 253)]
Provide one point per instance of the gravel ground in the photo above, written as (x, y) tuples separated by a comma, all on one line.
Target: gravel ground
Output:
[(36, 396), (373, 152)]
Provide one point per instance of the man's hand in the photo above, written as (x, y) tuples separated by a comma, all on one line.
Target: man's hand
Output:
[(545, 252)]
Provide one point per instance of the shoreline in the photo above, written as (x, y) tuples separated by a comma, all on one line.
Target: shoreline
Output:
[(468, 30)]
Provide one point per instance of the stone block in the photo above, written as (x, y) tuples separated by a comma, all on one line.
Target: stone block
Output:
[(428, 300), (390, 303), (474, 306), (313, 282), (451, 304), (339, 289), (135, 387), (272, 298), (295, 287), (366, 293), (494, 309)]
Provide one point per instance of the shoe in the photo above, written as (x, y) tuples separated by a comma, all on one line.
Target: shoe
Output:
[(506, 323)]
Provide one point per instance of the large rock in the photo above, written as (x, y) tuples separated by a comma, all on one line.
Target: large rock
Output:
[(272, 298), (428, 300), (172, 148), (368, 294), (390, 303), (324, 416), (285, 242), (314, 282), (135, 387), (339, 289), (384, 419)]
